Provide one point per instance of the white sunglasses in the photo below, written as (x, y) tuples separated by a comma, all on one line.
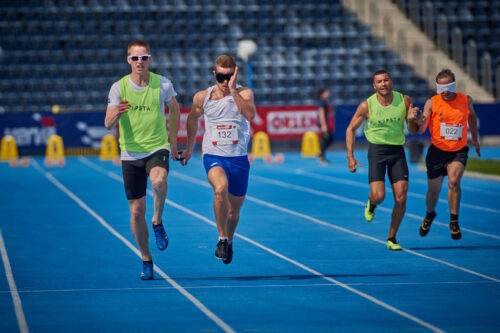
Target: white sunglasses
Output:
[(143, 57)]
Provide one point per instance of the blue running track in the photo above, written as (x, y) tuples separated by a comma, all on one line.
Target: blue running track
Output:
[(305, 260)]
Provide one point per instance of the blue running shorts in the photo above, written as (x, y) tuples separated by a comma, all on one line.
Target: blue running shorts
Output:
[(236, 168)]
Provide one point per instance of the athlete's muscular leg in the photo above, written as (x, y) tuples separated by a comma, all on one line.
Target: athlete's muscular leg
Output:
[(217, 178), (433, 189), (399, 189), (235, 204), (377, 192), (455, 172), (139, 226), (158, 178)]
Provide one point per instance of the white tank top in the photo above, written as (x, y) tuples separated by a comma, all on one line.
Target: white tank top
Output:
[(227, 132)]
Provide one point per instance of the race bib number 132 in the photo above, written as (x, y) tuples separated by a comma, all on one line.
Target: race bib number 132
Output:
[(224, 135)]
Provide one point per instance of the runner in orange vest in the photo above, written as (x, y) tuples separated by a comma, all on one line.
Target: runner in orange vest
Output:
[(447, 114)]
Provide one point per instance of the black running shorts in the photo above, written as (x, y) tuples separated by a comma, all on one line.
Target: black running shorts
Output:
[(437, 160), (135, 173), (387, 157)]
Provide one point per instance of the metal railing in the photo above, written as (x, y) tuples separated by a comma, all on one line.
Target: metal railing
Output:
[(486, 75)]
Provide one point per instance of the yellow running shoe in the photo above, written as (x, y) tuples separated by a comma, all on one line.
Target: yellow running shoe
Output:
[(393, 245), (369, 215)]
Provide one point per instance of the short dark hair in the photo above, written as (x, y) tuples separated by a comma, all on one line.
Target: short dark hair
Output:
[(380, 71), (445, 73), (321, 91)]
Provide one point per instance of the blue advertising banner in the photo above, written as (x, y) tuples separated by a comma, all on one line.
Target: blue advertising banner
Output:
[(85, 130), (32, 130)]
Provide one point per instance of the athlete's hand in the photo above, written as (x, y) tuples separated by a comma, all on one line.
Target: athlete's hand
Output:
[(352, 163), (174, 152), (232, 82), (185, 157), (422, 119), (413, 112), (475, 143), (123, 106)]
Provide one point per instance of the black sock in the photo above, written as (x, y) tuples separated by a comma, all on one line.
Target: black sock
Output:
[(393, 239), (372, 207), (454, 218), (430, 216), (151, 261)]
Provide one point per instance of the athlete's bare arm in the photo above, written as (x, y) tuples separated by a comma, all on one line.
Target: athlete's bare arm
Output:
[(357, 120), (423, 121), (473, 126), (243, 97), (411, 115), (192, 124), (113, 114), (174, 121)]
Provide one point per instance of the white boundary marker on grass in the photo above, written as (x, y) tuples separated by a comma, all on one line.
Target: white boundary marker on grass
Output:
[(18, 307), (294, 262), (219, 322)]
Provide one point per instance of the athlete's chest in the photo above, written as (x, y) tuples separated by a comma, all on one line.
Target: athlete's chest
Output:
[(221, 109)]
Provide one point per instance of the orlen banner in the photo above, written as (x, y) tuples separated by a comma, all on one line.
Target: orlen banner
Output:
[(285, 122), (279, 122)]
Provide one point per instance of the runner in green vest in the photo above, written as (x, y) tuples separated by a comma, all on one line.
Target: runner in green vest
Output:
[(137, 104), (385, 112)]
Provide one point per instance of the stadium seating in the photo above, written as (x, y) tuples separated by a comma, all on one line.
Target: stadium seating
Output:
[(478, 20), (69, 53)]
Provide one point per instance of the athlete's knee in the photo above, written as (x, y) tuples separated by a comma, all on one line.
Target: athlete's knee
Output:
[(233, 214), (377, 197), (400, 199), (158, 183), (137, 209), (220, 192), (158, 178), (454, 183)]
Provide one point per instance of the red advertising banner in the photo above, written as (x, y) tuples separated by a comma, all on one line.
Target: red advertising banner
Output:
[(279, 122)]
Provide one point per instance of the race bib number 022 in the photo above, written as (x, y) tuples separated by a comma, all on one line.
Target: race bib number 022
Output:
[(451, 131), (224, 135)]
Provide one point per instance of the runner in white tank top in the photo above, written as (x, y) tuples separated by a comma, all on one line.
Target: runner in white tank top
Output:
[(228, 109), (227, 132)]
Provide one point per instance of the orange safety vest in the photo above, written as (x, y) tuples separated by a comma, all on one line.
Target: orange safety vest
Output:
[(448, 123)]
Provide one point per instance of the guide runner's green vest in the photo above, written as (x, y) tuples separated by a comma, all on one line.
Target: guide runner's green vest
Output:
[(385, 124), (143, 128)]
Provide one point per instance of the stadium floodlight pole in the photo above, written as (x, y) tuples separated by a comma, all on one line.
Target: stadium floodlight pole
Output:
[(246, 47)]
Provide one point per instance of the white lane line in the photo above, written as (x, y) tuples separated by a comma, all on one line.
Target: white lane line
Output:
[(388, 189), (296, 263), (330, 225), (310, 270), (465, 187), (18, 307), (219, 322), (357, 202), (306, 285)]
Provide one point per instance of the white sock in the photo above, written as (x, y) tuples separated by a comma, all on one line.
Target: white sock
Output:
[(223, 238)]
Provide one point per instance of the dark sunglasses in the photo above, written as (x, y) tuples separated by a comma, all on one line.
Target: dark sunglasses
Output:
[(223, 77), (143, 58)]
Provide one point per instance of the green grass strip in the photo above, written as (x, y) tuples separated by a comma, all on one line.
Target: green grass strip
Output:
[(490, 167)]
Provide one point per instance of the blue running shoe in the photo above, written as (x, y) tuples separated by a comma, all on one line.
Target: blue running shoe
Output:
[(147, 270), (161, 237)]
